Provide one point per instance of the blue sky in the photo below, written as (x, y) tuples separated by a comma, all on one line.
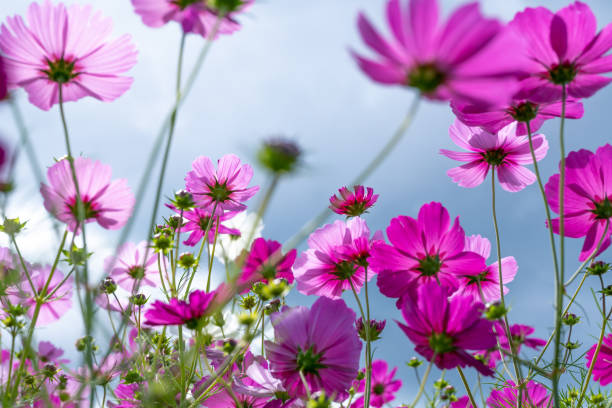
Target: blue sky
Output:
[(288, 71)]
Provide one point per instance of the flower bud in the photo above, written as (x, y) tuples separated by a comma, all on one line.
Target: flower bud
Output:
[(414, 362), (495, 311), (279, 155), (186, 260), (375, 329), (108, 285), (183, 200), (12, 226), (598, 268), (571, 319), (138, 299)]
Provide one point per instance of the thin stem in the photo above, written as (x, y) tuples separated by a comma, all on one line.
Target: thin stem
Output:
[(467, 387), (368, 389), (311, 225), (560, 288), (551, 234), (501, 282), (366, 324), (423, 382)]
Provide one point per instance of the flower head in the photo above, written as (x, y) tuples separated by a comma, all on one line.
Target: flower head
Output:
[(588, 198), (195, 16), (178, 312), (54, 306), (602, 370), (466, 58), (226, 187), (107, 202), (336, 259), (383, 386), (65, 47), (504, 151), (198, 220), (534, 395), (521, 110), (353, 203), (321, 342), (447, 327), (426, 249), (486, 282), (563, 48), (519, 333), (266, 262), (129, 266)]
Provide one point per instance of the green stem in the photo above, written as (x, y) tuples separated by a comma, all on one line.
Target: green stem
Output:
[(467, 387), (560, 288), (423, 382), (311, 225)]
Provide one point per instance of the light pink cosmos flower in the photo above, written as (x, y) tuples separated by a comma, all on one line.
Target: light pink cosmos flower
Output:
[(588, 198), (383, 385), (533, 395), (468, 58), (447, 326), (129, 266), (321, 342), (337, 256), (602, 371), (195, 16), (227, 186), (47, 352), (426, 249), (563, 48), (55, 306), (489, 277), (353, 203), (521, 110), (68, 47), (505, 151), (107, 202)]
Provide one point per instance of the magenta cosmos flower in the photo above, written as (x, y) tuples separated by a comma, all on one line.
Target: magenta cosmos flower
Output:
[(489, 277), (195, 16), (383, 385), (107, 202), (521, 110), (505, 151), (563, 48), (321, 342), (468, 58), (533, 395), (447, 326), (427, 249), (353, 203), (67, 47), (588, 198), (266, 262), (519, 334), (227, 186), (602, 371), (179, 312), (55, 305), (134, 263), (337, 256), (197, 220)]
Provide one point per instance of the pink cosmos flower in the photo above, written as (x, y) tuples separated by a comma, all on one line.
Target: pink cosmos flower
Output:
[(463, 402), (47, 352), (519, 333), (353, 203), (337, 256), (197, 223), (467, 58), (179, 312), (588, 198), (521, 110), (427, 249), (505, 151), (195, 16), (55, 306), (447, 326), (489, 277), (107, 202), (266, 262), (383, 386), (67, 47), (563, 48), (533, 395), (602, 371), (321, 342), (126, 396), (129, 266), (227, 187)]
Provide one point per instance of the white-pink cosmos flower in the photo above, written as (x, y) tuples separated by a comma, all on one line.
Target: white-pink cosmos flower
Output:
[(67, 46)]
